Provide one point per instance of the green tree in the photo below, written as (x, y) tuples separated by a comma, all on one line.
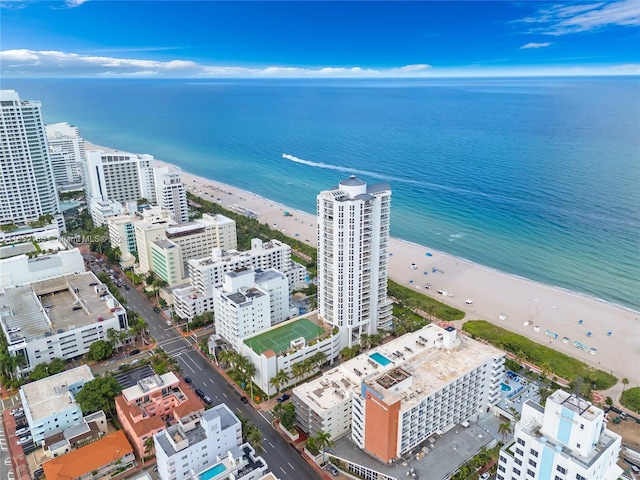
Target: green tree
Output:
[(279, 379), (323, 440), (625, 382), (365, 341), (148, 447), (297, 370), (255, 439), (56, 366), (99, 350), (39, 372), (99, 394), (319, 359), (505, 430)]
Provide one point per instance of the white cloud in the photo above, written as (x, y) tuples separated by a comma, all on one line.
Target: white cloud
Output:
[(561, 19), (74, 3), (535, 45), (63, 64)]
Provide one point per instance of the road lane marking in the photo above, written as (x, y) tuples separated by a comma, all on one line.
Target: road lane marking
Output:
[(291, 466)]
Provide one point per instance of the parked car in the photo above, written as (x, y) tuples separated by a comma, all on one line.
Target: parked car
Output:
[(333, 469), (244, 399), (135, 351), (22, 431), (207, 399), (199, 392), (169, 324), (25, 440), (485, 476), (156, 309), (188, 379), (284, 398), (16, 410)]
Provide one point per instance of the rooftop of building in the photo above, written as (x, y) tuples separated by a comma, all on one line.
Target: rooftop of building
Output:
[(576, 404), (149, 384), (189, 406), (244, 463), (420, 357), (55, 305), (231, 256), (606, 439), (279, 338), (77, 433), (266, 275), (197, 434), (245, 295), (78, 463), (165, 244), (51, 395), (131, 377)]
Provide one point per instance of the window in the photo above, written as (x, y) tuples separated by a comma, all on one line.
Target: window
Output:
[(516, 471), (561, 470), (532, 463), (519, 452), (580, 477), (534, 453), (577, 445), (518, 461), (521, 441), (531, 473)]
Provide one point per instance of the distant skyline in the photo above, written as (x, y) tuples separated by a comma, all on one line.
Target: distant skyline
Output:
[(210, 39)]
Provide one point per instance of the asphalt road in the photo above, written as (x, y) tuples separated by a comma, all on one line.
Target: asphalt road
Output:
[(283, 459)]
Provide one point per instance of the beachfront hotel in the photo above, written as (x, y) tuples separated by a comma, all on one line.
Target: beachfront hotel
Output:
[(207, 274), (27, 187), (565, 439), (58, 317), (353, 238), (68, 157), (396, 396)]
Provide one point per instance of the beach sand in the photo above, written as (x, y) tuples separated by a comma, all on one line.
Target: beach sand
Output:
[(505, 300)]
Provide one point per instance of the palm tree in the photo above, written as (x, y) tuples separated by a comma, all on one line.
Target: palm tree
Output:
[(365, 341), (227, 357), (505, 429), (148, 446), (544, 393), (625, 382), (255, 439), (323, 440), (319, 359), (347, 353), (279, 379), (112, 337), (297, 370)]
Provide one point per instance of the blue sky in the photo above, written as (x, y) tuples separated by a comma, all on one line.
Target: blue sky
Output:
[(210, 39)]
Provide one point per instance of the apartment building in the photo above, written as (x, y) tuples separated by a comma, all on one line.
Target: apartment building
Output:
[(49, 404), (207, 274), (59, 317), (397, 395), (566, 439), (151, 228), (166, 261), (60, 442), (27, 186), (152, 405), (240, 308), (68, 157), (182, 450), (353, 249), (171, 193)]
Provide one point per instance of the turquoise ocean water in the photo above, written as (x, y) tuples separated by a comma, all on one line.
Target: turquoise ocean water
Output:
[(535, 177)]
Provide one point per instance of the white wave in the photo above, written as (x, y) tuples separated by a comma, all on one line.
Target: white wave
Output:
[(457, 235)]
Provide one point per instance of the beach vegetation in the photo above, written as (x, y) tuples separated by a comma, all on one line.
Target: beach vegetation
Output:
[(416, 301), (631, 399), (557, 363)]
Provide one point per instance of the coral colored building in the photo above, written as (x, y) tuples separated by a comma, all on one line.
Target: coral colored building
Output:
[(153, 404)]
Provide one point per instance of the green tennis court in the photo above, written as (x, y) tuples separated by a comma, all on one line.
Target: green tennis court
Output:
[(279, 339)]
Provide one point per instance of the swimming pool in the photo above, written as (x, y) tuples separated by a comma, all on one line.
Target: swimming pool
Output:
[(505, 387), (212, 472), (381, 359)]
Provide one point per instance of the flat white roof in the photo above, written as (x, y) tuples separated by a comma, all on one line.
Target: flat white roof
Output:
[(419, 357), (51, 395)]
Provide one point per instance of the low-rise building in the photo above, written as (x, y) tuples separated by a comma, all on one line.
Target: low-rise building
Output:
[(103, 458), (183, 449), (62, 441), (239, 463), (49, 404), (153, 404), (59, 317), (565, 439), (397, 395)]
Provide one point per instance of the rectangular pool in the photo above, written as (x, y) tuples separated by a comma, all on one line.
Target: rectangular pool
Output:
[(381, 359), (212, 472)]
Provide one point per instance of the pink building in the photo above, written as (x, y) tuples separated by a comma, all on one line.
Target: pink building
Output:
[(152, 405)]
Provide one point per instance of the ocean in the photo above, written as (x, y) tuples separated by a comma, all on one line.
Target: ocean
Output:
[(537, 177)]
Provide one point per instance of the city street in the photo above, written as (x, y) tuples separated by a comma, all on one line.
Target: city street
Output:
[(283, 459)]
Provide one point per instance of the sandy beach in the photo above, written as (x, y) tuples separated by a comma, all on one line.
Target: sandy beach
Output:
[(515, 303)]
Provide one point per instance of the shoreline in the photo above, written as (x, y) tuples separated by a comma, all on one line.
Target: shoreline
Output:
[(501, 298)]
